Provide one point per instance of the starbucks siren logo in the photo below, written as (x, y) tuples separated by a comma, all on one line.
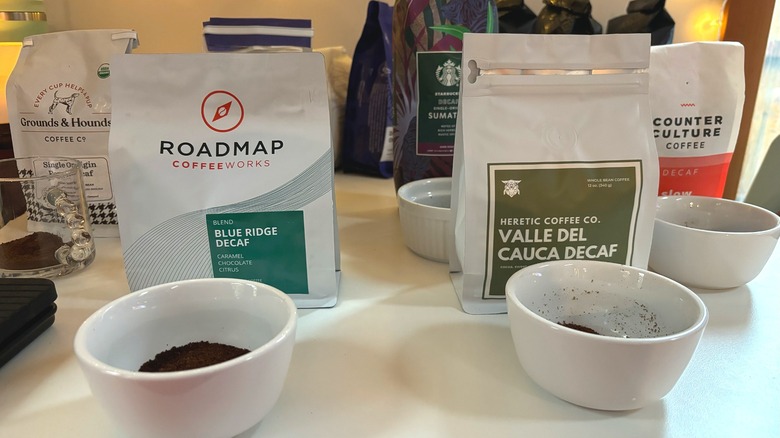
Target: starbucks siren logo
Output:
[(448, 74)]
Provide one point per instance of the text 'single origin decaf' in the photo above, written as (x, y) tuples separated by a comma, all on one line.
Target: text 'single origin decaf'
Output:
[(223, 167)]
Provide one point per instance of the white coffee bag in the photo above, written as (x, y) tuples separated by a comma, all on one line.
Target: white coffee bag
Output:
[(222, 167), (697, 91), (554, 158), (59, 104)]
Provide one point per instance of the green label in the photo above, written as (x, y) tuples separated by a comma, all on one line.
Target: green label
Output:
[(438, 88), (267, 247), (560, 211), (103, 71)]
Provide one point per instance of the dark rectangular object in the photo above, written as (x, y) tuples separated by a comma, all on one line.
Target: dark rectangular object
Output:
[(26, 309)]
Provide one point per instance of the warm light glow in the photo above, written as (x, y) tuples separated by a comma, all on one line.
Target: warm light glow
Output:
[(724, 21), (704, 23), (9, 53)]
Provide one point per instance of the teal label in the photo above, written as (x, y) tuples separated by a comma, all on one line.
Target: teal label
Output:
[(267, 247), (438, 88), (560, 211)]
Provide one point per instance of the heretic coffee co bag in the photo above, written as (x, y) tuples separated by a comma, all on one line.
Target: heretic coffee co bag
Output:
[(697, 91), (59, 103), (554, 158), (222, 167)]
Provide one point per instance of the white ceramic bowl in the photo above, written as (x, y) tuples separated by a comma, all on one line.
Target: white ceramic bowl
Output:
[(649, 328), (220, 400), (424, 208), (711, 243)]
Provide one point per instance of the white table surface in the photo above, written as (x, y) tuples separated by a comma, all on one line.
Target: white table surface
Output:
[(397, 357)]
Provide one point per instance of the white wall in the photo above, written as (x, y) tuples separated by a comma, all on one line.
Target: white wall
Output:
[(175, 25)]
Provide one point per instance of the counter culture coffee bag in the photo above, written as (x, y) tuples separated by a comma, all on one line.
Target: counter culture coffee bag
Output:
[(222, 166), (697, 91), (59, 104), (554, 158)]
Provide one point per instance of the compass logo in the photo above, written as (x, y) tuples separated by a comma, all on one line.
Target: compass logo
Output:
[(448, 74), (222, 111)]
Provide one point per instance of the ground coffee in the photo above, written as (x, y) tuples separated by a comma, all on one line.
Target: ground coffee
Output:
[(32, 251), (581, 328), (193, 355)]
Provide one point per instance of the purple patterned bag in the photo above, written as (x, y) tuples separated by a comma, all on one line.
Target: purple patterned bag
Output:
[(367, 146), (427, 39)]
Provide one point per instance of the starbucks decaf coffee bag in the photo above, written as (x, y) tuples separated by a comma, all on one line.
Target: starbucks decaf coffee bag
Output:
[(59, 104), (223, 167), (554, 158)]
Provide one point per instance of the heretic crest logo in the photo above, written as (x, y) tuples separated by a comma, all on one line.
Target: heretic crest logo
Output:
[(221, 111), (512, 187), (448, 74)]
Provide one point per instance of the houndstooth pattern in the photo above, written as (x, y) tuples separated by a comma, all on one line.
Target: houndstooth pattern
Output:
[(35, 209), (102, 213)]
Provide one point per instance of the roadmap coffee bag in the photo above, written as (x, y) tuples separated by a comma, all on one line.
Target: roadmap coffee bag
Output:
[(554, 158), (223, 168)]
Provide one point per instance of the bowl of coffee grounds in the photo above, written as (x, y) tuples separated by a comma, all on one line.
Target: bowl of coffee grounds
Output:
[(603, 335), (212, 354)]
